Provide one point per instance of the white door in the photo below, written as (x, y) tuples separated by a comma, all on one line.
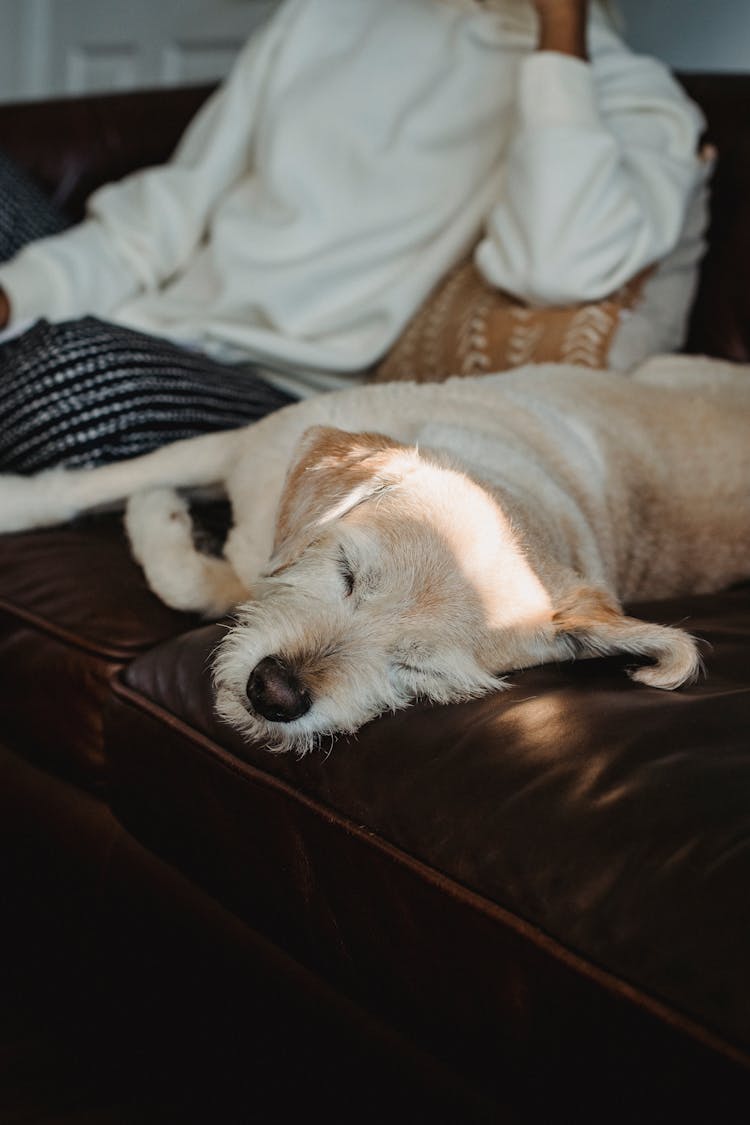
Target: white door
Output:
[(50, 48)]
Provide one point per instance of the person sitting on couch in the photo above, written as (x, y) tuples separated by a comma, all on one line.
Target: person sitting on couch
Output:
[(397, 188)]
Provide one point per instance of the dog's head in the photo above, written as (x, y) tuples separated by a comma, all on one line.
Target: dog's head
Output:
[(395, 576)]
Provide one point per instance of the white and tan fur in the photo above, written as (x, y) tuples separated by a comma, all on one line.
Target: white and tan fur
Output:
[(405, 541)]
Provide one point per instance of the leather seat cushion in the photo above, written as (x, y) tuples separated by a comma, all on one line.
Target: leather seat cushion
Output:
[(534, 866), (74, 608)]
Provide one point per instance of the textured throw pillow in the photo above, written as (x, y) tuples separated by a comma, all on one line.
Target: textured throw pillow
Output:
[(85, 392), (466, 327), (25, 211)]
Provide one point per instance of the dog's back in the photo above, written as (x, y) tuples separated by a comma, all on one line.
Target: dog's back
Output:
[(659, 463)]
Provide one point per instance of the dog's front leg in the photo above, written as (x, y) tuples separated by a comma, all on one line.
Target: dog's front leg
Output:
[(160, 531)]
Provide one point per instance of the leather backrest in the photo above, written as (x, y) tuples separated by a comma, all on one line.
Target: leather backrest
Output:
[(73, 145)]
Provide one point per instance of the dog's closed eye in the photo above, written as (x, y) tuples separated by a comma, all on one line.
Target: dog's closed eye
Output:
[(414, 660), (346, 570), (410, 669), (363, 581), (424, 671)]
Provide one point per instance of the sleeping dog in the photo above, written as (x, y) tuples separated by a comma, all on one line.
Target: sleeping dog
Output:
[(404, 541)]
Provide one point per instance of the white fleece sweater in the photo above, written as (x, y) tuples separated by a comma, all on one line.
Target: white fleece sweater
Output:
[(358, 149)]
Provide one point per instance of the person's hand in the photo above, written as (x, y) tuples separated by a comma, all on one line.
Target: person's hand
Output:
[(4, 309), (562, 26)]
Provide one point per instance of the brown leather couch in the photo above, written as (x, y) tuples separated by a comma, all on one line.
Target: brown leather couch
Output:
[(535, 906)]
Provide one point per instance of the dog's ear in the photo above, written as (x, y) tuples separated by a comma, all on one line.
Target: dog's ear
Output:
[(332, 473), (590, 622)]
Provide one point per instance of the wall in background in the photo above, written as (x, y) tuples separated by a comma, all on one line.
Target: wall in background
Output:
[(50, 48), (55, 47), (708, 35)]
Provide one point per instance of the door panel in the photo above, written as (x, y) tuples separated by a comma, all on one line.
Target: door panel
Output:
[(56, 47)]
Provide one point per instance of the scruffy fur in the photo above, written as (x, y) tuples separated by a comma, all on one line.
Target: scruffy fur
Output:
[(405, 541)]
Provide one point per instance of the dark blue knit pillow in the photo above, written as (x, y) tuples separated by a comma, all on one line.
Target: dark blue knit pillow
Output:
[(25, 211), (86, 392)]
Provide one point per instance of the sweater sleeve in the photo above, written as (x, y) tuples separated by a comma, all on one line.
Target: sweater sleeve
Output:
[(143, 229), (599, 177)]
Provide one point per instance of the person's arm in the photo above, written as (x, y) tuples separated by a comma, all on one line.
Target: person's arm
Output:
[(144, 229), (4, 309), (600, 172), (562, 26)]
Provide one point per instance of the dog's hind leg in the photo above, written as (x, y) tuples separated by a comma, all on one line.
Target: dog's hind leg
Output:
[(57, 495), (159, 527)]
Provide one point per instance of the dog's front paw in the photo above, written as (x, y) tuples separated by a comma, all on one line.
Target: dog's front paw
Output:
[(160, 530), (157, 519), (34, 501)]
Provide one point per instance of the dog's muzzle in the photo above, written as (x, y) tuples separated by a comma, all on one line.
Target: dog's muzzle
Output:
[(275, 693)]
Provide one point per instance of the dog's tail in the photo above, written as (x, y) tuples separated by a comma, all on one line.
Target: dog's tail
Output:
[(57, 495)]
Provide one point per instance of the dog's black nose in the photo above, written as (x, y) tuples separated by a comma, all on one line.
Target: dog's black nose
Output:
[(275, 692)]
